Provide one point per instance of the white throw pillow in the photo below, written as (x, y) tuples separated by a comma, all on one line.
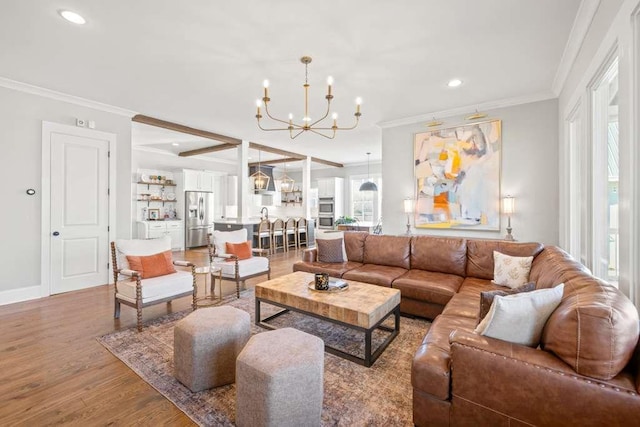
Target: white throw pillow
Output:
[(511, 271), (331, 235), (520, 318), (220, 239)]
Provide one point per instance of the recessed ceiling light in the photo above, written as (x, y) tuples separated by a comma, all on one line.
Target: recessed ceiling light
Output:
[(72, 17), (454, 83), (175, 144)]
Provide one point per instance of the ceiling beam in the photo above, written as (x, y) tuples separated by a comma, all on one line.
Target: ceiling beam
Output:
[(276, 161), (327, 162), (278, 151), (184, 129), (205, 150)]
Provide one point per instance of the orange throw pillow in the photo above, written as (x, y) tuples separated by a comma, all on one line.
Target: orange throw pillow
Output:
[(241, 250), (152, 265)]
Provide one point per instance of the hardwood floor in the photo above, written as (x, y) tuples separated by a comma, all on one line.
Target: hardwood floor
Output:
[(53, 371)]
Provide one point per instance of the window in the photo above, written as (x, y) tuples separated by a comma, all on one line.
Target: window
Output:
[(605, 174), (365, 206)]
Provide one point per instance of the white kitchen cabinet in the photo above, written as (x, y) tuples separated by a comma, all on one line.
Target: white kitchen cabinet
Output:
[(198, 180), (330, 187), (156, 229)]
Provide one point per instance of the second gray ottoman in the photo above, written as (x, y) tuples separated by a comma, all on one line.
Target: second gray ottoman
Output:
[(206, 345), (279, 380)]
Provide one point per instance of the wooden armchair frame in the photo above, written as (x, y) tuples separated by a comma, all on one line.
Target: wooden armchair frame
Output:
[(139, 305), (238, 279)]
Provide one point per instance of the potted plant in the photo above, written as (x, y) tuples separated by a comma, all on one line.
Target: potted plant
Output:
[(345, 220)]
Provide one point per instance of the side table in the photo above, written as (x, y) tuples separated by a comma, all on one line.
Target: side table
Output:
[(209, 298)]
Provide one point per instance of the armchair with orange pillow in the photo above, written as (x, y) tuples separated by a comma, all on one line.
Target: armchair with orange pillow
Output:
[(230, 251), (144, 275)]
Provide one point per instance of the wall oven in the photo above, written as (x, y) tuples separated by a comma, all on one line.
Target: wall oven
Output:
[(325, 206), (325, 222)]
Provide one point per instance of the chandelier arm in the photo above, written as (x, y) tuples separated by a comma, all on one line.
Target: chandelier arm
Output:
[(325, 115), (266, 109), (322, 134), (267, 129), (352, 127), (297, 134)]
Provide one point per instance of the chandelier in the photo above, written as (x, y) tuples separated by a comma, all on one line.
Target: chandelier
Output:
[(295, 129)]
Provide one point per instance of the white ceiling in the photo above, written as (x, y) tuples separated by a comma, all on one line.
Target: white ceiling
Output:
[(201, 63)]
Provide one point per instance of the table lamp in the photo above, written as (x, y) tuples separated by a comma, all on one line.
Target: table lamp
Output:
[(408, 209), (508, 207)]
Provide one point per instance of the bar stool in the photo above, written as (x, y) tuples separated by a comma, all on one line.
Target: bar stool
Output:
[(264, 232), (277, 231), (290, 230), (302, 231)]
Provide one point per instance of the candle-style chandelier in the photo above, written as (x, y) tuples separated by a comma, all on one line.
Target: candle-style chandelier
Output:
[(316, 127)]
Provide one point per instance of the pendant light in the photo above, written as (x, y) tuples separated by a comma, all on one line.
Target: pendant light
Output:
[(368, 185), (259, 178), (286, 182)]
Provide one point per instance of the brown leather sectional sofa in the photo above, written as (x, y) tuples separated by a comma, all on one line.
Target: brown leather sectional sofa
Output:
[(585, 372)]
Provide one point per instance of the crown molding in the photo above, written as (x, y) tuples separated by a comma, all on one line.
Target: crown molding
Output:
[(59, 96), (467, 109), (584, 17)]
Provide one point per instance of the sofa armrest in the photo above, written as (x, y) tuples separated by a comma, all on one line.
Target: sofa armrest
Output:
[(310, 255), (491, 377)]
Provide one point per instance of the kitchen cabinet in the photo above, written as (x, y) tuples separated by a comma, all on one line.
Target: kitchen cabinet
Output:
[(330, 187), (198, 180), (157, 229)]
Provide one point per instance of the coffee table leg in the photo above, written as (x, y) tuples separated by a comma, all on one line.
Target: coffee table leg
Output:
[(367, 348)]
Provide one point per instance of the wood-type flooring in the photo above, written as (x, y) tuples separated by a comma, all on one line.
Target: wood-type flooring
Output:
[(53, 371)]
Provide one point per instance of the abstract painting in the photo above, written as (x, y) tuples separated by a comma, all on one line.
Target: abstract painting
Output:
[(457, 172)]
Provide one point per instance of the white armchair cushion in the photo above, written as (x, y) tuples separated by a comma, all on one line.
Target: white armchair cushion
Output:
[(140, 247), (157, 288), (246, 267), (220, 239)]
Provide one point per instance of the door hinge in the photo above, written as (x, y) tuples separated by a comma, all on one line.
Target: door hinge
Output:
[(109, 154), (108, 228), (107, 266), (108, 191)]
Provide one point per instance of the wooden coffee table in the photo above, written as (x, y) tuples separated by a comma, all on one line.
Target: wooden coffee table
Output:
[(362, 307)]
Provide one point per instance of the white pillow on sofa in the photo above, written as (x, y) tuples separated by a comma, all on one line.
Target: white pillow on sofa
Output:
[(520, 318), (511, 271)]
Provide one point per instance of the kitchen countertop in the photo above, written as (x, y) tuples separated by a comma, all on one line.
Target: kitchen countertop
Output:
[(250, 221)]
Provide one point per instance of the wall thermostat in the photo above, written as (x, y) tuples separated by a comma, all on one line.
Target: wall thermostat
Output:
[(81, 122)]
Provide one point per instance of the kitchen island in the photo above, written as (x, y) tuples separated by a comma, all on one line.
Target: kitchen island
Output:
[(251, 225)]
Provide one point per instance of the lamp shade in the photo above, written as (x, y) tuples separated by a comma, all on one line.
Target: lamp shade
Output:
[(508, 205), (408, 205), (368, 186)]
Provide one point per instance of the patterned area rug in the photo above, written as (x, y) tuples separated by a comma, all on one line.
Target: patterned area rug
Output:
[(353, 395)]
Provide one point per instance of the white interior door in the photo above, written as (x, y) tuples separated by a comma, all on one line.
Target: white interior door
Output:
[(79, 203)]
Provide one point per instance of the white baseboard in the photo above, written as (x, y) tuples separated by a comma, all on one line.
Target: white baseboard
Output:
[(20, 294)]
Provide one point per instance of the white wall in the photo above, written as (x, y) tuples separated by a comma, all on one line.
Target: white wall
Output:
[(529, 172), (21, 117)]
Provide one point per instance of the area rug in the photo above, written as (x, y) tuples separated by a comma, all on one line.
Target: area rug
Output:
[(353, 395)]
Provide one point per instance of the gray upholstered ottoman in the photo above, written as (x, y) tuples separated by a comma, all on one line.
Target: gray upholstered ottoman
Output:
[(279, 378), (206, 345)]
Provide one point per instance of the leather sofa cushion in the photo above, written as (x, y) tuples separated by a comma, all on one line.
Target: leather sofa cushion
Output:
[(428, 286), (554, 266), (431, 368), (480, 254), (392, 251), (374, 274), (354, 244), (594, 329), (336, 269), (440, 254)]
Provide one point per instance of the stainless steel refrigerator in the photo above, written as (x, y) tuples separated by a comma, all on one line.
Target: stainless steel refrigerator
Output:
[(199, 217)]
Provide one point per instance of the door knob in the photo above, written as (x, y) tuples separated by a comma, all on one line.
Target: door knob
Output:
[(55, 233)]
